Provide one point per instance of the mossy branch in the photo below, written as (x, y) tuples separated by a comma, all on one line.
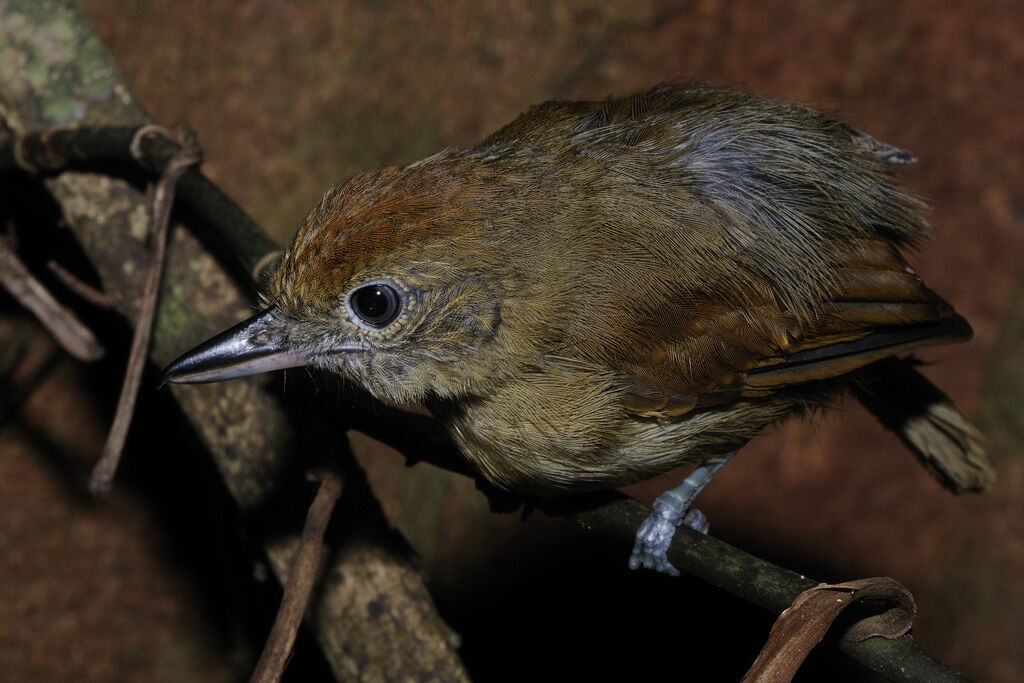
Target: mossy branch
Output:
[(56, 76)]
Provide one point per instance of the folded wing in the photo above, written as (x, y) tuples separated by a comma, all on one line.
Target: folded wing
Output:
[(709, 353)]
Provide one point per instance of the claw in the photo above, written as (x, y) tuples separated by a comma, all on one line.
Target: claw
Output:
[(697, 520), (655, 536), (669, 510), (651, 547)]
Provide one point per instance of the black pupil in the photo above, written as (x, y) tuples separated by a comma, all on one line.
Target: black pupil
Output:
[(377, 305)]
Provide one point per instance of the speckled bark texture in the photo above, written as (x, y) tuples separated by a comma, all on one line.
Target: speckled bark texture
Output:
[(373, 615)]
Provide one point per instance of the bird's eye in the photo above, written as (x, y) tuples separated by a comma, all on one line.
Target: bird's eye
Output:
[(376, 305)]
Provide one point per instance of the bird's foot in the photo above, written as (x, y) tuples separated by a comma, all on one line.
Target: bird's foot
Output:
[(671, 509), (655, 535)]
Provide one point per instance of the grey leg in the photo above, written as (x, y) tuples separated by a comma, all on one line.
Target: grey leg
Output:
[(671, 509)]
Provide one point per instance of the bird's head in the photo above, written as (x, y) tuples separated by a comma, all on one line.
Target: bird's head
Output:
[(393, 281)]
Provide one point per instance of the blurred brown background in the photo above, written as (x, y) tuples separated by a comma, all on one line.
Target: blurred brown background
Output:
[(289, 98)]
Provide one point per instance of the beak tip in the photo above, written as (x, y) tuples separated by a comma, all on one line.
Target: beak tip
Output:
[(172, 374), (234, 353)]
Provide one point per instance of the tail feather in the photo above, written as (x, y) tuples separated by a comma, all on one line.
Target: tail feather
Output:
[(936, 431)]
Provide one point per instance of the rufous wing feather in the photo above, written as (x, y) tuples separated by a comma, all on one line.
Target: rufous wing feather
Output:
[(878, 308)]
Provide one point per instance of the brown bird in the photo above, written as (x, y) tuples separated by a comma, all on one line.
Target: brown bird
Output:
[(603, 291)]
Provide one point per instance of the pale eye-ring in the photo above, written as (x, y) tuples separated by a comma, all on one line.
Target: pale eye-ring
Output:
[(375, 305)]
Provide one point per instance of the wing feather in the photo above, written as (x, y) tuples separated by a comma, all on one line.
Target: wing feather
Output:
[(879, 307)]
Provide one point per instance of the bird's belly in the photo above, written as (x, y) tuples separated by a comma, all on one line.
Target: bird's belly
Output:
[(548, 458)]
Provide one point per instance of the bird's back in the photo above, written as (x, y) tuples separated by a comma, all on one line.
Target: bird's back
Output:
[(721, 259)]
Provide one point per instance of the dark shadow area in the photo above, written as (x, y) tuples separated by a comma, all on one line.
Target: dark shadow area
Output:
[(566, 607), (209, 540)]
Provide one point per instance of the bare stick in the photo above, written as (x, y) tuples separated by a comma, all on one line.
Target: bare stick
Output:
[(160, 215), (60, 148), (302, 575), (68, 330), (83, 290)]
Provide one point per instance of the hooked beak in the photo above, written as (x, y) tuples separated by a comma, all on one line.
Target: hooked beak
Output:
[(259, 344)]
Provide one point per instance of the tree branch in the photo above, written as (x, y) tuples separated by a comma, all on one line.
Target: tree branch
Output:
[(77, 146), (767, 585)]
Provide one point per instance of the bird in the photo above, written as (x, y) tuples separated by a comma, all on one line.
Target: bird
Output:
[(603, 291)]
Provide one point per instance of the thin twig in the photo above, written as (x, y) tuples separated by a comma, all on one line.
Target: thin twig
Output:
[(160, 216), (302, 575), (83, 290), (57, 149), (66, 328)]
